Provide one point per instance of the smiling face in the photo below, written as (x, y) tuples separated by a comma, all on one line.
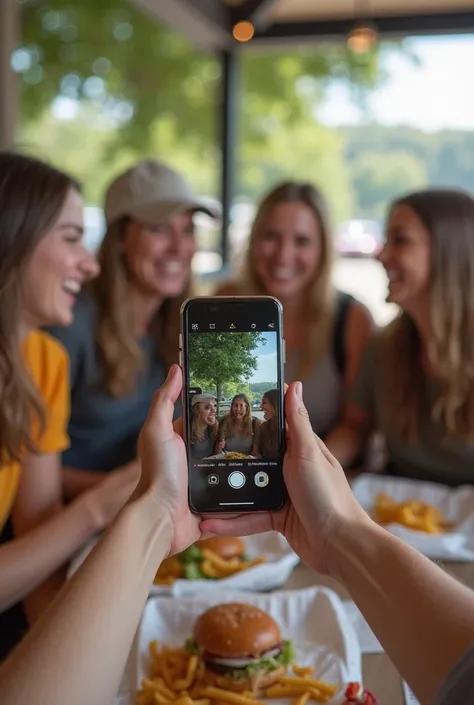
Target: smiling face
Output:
[(159, 255), (207, 412), (287, 251), (406, 258), (58, 267), (267, 408), (239, 408)]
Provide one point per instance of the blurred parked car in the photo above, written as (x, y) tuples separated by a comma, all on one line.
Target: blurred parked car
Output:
[(359, 238)]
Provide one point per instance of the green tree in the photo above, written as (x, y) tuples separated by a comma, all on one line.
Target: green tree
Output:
[(379, 178), (217, 359), (115, 57)]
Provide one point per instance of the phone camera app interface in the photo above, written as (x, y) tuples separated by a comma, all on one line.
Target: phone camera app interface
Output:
[(234, 400)]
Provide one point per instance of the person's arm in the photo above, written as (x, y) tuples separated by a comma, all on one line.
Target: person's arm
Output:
[(350, 437), (27, 561), (359, 327), (423, 618), (76, 481), (118, 572), (39, 497), (51, 666)]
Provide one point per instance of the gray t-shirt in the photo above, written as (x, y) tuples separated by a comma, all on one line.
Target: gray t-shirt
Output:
[(240, 442), (432, 458), (103, 430), (458, 688), (205, 448)]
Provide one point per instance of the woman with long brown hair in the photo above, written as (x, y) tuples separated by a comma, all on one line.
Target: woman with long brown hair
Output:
[(268, 432), (238, 430), (43, 264), (290, 256), (126, 324), (416, 383)]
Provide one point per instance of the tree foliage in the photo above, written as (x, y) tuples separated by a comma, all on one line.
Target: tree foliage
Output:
[(384, 162), (111, 54), (219, 358)]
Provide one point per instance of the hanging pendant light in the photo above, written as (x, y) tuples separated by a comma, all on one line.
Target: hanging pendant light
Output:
[(363, 36)]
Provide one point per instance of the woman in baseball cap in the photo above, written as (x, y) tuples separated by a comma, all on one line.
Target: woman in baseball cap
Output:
[(204, 426), (125, 330)]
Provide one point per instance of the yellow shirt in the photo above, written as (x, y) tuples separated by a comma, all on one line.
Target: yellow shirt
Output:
[(48, 363)]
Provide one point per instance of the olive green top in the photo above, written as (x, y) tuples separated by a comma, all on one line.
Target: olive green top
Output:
[(432, 457)]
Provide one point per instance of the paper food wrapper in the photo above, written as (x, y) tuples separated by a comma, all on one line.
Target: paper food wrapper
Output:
[(313, 619), (457, 505), (280, 560)]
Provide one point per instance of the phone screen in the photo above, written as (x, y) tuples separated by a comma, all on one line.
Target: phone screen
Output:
[(232, 354)]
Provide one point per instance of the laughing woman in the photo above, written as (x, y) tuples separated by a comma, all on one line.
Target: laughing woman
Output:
[(238, 431), (416, 383), (126, 324), (42, 264), (268, 433), (290, 256), (204, 426)]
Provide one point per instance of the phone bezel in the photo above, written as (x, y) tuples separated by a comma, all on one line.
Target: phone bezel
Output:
[(183, 358)]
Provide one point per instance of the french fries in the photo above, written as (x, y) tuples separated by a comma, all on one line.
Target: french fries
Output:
[(414, 514), (212, 566), (176, 678)]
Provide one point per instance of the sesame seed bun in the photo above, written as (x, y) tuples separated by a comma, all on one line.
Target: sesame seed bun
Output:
[(236, 629)]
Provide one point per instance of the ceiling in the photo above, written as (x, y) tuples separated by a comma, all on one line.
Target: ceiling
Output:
[(291, 10), (209, 22)]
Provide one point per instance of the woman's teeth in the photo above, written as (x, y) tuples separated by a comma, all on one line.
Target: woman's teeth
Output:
[(172, 267), (71, 286), (283, 273)]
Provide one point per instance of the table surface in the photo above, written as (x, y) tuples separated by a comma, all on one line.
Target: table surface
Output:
[(380, 675)]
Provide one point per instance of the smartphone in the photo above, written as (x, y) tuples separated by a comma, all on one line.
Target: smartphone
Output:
[(232, 355)]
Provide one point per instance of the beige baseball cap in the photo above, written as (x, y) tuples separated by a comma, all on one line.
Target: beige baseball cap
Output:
[(153, 192), (199, 398)]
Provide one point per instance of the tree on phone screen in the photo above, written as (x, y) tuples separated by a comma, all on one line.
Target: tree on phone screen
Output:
[(216, 359)]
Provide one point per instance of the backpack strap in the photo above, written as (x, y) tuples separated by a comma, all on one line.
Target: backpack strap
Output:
[(344, 303)]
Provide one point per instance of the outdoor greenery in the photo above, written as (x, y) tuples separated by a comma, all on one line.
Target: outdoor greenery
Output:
[(130, 88), (223, 358), (138, 89)]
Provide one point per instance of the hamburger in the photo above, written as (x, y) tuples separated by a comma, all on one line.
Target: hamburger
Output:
[(227, 547), (241, 647), (188, 564)]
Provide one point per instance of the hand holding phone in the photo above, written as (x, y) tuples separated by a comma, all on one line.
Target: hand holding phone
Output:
[(232, 354)]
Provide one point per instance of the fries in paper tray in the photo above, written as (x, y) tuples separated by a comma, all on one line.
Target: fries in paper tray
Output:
[(262, 562), (434, 519), (290, 648)]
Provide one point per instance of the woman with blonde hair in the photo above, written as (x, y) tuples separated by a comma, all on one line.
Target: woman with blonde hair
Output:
[(126, 325), (416, 383), (43, 264), (290, 256), (238, 430), (204, 426)]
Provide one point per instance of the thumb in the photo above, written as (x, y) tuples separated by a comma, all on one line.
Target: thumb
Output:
[(300, 431), (160, 417)]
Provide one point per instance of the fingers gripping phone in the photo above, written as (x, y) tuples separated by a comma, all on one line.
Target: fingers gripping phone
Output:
[(232, 354)]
